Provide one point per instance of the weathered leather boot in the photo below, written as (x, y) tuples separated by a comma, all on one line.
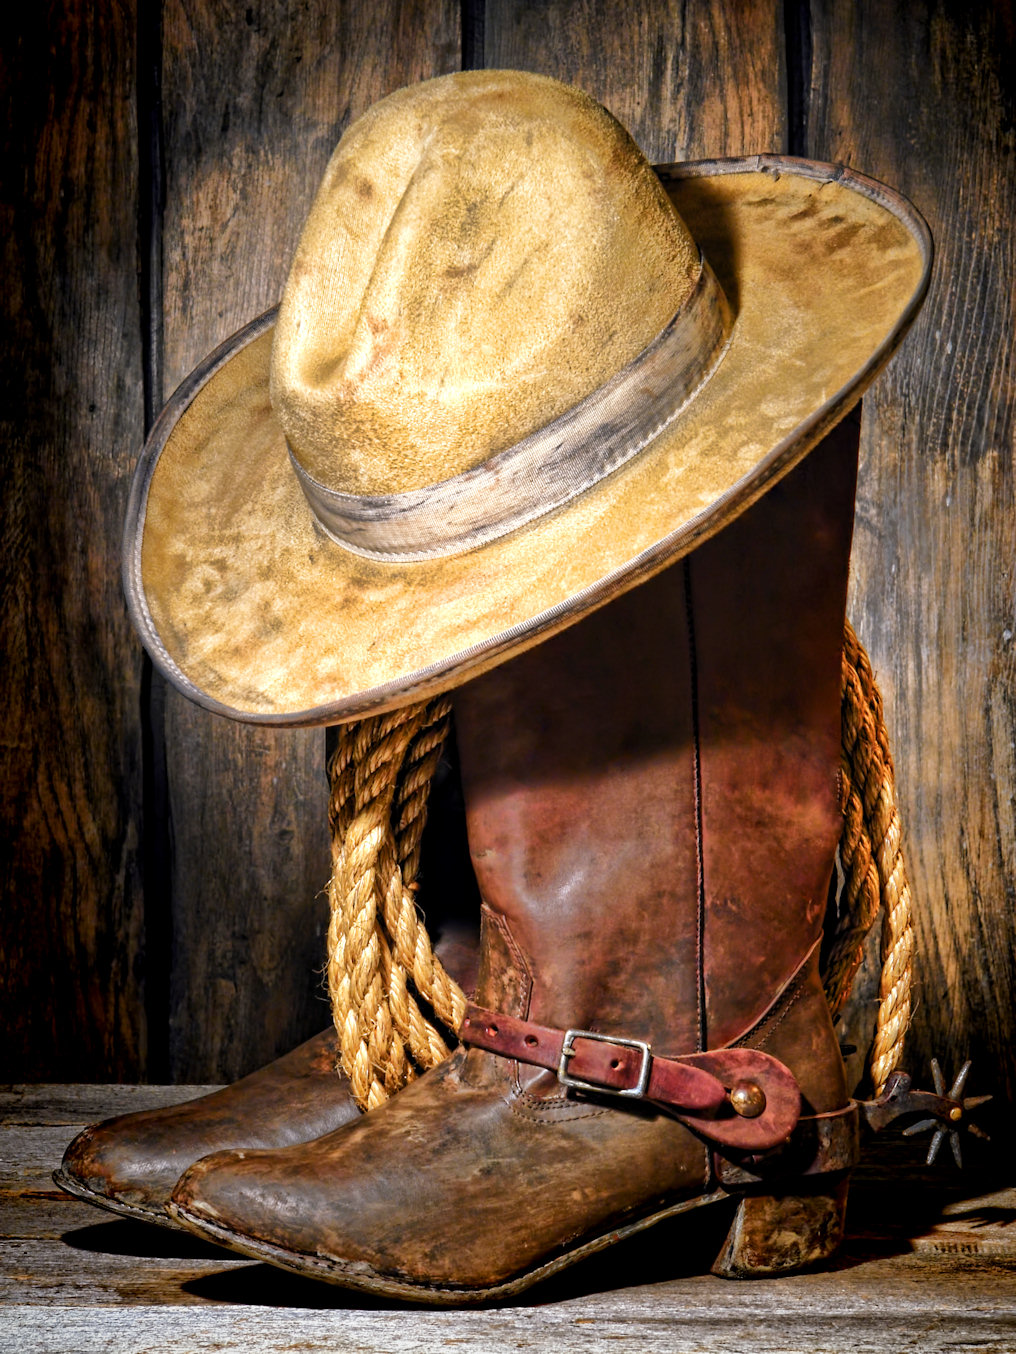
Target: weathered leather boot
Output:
[(130, 1164), (652, 802)]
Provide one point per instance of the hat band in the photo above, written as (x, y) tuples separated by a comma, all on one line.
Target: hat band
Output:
[(551, 466)]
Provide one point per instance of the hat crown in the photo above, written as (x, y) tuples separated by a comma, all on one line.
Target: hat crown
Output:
[(486, 249)]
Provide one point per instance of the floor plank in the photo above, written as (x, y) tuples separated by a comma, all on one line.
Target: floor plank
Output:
[(27, 1104), (929, 1263)]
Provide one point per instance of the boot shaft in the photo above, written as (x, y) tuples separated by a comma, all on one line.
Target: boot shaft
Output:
[(653, 795)]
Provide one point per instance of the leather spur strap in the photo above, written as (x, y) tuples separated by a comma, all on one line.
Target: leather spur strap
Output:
[(739, 1097)]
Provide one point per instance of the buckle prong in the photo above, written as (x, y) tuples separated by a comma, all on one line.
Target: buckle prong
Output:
[(568, 1050)]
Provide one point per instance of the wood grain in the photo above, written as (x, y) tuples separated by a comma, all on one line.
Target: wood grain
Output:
[(254, 101), (71, 926), (923, 96), (687, 80), (935, 1272), (258, 1330), (41, 1103)]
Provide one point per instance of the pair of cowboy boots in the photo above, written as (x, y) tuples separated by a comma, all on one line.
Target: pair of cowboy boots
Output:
[(653, 808)]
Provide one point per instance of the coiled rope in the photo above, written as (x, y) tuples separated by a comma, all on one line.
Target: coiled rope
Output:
[(381, 965), (395, 1008), (871, 856)]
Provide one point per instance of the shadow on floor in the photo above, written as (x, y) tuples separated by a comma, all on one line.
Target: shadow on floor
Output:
[(146, 1241)]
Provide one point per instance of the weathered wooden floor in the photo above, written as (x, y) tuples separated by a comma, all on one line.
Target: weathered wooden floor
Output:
[(929, 1265)]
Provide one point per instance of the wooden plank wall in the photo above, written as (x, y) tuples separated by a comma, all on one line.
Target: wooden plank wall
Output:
[(72, 920), (161, 866), (924, 97), (249, 119)]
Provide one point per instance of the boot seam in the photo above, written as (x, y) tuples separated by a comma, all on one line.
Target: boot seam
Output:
[(761, 1032), (533, 1111), (700, 896), (521, 1102), (522, 965)]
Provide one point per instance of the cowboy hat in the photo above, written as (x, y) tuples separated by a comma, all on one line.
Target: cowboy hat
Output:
[(515, 373)]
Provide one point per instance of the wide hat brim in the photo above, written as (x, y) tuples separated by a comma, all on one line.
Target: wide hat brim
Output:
[(251, 610)]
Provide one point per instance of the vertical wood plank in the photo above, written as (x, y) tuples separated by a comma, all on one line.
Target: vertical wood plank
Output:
[(923, 96), (71, 926), (687, 79), (254, 100)]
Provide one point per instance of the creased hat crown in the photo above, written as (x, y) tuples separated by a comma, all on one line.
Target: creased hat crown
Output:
[(485, 251)]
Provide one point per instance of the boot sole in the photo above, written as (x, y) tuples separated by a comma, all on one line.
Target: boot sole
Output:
[(363, 1279), (136, 1212)]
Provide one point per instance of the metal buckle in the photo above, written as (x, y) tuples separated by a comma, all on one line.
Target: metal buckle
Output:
[(568, 1051)]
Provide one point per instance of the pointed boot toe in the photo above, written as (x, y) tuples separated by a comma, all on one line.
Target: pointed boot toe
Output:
[(225, 1197), (116, 1165), (130, 1164), (266, 1204)]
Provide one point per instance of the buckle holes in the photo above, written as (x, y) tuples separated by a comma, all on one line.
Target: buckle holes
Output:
[(615, 1063), (492, 1029), (531, 1040)]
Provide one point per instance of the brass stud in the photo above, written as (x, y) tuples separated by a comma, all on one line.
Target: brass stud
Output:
[(748, 1099), (955, 1113)]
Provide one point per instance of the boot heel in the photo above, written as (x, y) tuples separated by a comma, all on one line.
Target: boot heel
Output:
[(780, 1233)]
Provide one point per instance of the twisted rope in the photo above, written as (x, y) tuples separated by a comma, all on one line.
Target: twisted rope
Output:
[(380, 961), (381, 964), (872, 859)]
